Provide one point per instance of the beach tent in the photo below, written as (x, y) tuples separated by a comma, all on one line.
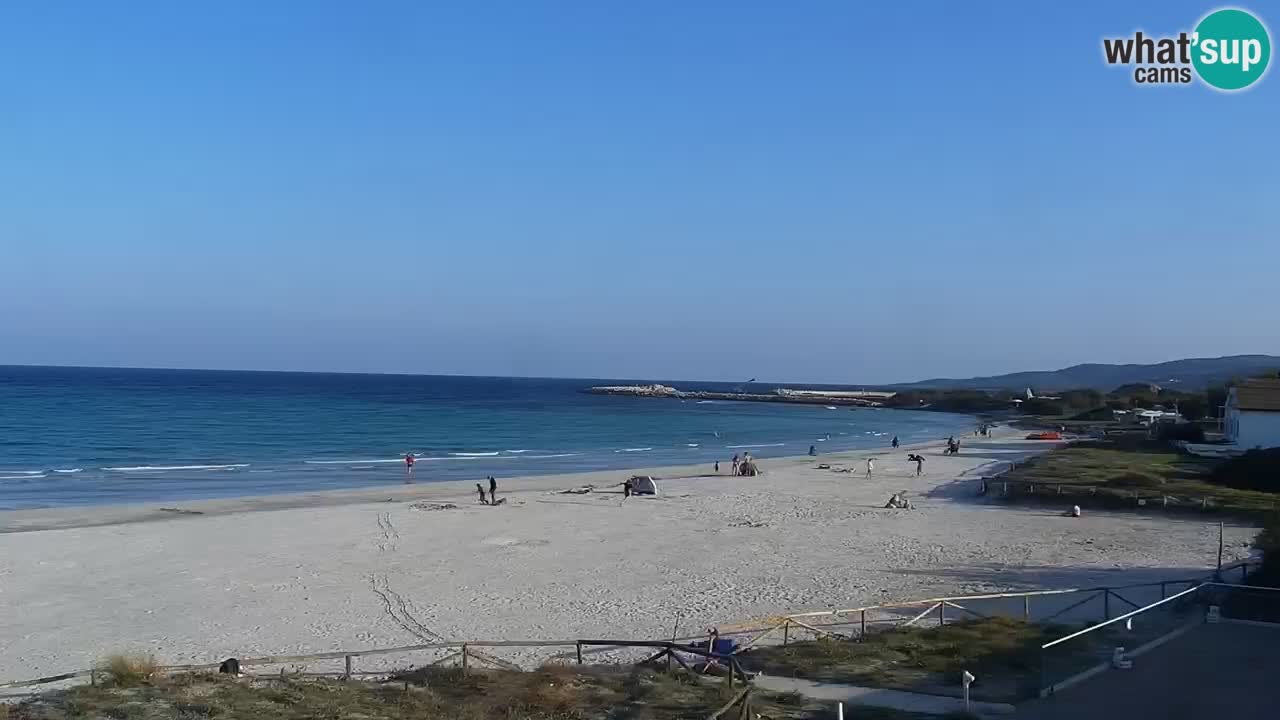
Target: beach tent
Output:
[(643, 485)]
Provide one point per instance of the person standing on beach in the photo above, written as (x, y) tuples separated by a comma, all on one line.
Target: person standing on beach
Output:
[(895, 442), (717, 467), (919, 461), (408, 468), (735, 463), (493, 490), (871, 464), (480, 490)]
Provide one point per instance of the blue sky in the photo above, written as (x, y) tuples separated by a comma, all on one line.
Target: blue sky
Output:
[(811, 191)]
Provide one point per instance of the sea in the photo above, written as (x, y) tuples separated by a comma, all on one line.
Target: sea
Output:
[(91, 436)]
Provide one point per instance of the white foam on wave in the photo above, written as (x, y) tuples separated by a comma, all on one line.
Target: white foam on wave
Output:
[(691, 444), (644, 449), (735, 447), (69, 471), (708, 402), (479, 454), (515, 452), (356, 462), (165, 468), (555, 455), (15, 473), (23, 476)]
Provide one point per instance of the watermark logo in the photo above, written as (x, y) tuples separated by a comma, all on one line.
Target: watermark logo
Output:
[(1228, 50)]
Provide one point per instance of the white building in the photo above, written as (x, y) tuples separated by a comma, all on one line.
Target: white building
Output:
[(1252, 415)]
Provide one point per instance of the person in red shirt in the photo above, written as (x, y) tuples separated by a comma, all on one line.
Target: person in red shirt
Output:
[(408, 468)]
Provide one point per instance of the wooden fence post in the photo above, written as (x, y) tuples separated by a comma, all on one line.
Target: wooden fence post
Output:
[(1026, 608), (1106, 604), (347, 674), (942, 613), (786, 630), (464, 658), (864, 625), (580, 653), (93, 678)]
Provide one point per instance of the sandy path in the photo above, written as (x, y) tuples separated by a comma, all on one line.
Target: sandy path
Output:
[(321, 576)]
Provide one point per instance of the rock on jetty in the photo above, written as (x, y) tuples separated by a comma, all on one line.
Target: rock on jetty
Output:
[(783, 395)]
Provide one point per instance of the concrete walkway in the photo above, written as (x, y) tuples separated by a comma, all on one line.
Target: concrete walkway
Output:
[(877, 697), (1223, 671)]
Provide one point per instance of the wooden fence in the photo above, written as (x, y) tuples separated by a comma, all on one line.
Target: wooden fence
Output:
[(815, 624), (1112, 497)]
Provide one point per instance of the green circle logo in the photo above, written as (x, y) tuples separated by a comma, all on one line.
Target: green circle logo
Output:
[(1231, 49)]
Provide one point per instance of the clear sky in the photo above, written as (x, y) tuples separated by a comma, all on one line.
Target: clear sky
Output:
[(807, 191)]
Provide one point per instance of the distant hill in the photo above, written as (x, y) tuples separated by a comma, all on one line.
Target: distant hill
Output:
[(1190, 374)]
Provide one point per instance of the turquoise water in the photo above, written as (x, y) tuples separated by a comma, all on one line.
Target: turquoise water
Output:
[(83, 436)]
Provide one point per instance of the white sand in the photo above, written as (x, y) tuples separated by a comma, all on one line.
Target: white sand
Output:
[(308, 574)]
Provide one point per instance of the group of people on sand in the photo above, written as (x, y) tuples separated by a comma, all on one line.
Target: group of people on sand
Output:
[(984, 430)]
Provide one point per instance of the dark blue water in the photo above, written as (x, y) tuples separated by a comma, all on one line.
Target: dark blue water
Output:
[(81, 436)]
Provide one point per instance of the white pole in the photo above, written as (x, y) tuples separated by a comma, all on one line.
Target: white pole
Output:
[(839, 711)]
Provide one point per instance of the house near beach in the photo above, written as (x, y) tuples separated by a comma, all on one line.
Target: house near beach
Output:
[(1251, 417)]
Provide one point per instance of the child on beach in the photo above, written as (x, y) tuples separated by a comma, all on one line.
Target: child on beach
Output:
[(895, 442), (480, 490), (735, 463), (408, 468), (871, 464)]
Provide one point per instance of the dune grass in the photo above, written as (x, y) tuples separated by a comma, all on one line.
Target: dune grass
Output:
[(1110, 473), (554, 692), (1004, 653), (127, 670)]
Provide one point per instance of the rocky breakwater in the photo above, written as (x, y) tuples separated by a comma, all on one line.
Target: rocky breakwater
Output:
[(802, 397)]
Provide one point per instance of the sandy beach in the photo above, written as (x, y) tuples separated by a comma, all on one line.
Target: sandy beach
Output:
[(200, 581)]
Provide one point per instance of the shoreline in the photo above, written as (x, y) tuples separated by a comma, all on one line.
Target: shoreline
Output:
[(85, 516)]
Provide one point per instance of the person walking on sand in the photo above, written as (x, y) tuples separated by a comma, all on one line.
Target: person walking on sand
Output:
[(480, 490), (919, 461), (408, 467), (871, 465), (895, 442), (493, 490), (735, 463), (717, 467)]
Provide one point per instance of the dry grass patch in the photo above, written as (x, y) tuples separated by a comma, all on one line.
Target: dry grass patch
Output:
[(127, 670), (1003, 653), (550, 693)]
